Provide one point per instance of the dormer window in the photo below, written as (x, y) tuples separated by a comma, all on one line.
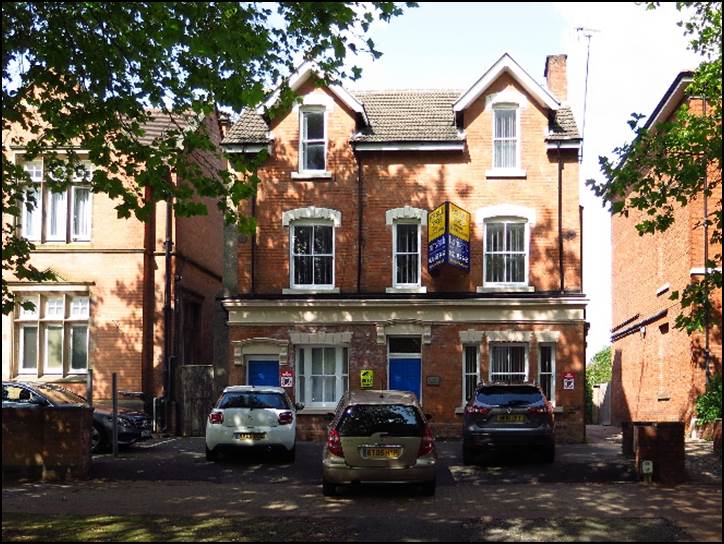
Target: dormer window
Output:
[(313, 140), (505, 137)]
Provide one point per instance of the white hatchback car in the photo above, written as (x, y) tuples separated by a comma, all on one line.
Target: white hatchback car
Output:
[(248, 416)]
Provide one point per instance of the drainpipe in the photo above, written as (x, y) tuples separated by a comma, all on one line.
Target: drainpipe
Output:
[(167, 352), (149, 302), (360, 210), (560, 218), (707, 324), (253, 246)]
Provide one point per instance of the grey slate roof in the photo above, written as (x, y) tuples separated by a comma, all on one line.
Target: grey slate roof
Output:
[(402, 116)]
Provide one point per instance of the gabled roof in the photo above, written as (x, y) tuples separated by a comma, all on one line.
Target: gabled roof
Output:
[(424, 116), (406, 117), (671, 99), (506, 64), (298, 78)]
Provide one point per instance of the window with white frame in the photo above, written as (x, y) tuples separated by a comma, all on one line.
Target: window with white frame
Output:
[(471, 370), (506, 252), (313, 140), (547, 370), (52, 338), (322, 375), (406, 254), (312, 258), (67, 213), (508, 363), (505, 137)]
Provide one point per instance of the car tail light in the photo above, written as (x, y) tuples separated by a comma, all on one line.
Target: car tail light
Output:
[(428, 442), (473, 409), (334, 443), (216, 417), (285, 418), (547, 408)]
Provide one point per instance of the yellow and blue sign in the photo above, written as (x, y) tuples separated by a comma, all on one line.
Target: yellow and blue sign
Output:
[(448, 235)]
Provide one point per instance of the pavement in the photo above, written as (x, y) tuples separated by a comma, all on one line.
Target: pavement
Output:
[(593, 481)]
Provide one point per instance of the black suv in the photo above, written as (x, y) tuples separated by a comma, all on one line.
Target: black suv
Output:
[(503, 415)]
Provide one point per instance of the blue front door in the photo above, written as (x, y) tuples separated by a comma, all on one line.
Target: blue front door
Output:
[(264, 373), (405, 374)]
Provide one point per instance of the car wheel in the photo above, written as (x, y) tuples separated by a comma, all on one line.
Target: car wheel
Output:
[(98, 439), (212, 455), (328, 489), (428, 488)]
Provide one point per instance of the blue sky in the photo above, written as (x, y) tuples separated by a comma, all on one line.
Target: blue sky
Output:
[(634, 57)]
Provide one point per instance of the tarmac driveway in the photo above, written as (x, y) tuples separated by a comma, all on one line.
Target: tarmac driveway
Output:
[(183, 459)]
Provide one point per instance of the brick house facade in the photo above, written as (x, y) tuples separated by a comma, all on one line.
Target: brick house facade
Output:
[(336, 291), (658, 370), (106, 311)]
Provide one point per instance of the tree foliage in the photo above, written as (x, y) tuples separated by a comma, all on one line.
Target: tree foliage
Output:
[(83, 75), (599, 370), (675, 163)]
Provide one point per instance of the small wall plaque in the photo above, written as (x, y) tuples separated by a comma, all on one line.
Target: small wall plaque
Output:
[(433, 380)]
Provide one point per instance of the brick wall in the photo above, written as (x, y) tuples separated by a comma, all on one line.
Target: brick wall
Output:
[(441, 357), (658, 372), (418, 179), (46, 443)]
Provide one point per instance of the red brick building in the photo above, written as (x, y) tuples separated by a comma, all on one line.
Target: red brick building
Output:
[(358, 276), (106, 311), (658, 370)]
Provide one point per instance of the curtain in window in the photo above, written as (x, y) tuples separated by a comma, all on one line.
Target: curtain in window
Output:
[(505, 253), (505, 154), (57, 215), (81, 213), (407, 254)]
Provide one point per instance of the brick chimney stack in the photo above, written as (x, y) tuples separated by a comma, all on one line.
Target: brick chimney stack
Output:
[(556, 76)]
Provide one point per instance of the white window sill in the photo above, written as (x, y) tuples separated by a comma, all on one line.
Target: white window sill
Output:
[(506, 173), (406, 290), (310, 291), (505, 289), (313, 174)]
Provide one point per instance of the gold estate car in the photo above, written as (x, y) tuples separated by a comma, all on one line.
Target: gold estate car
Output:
[(379, 436)]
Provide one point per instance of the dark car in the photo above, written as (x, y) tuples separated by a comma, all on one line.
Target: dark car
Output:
[(508, 416), (133, 426)]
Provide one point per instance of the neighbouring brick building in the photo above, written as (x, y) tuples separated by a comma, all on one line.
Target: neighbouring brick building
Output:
[(358, 276), (106, 311), (658, 370)]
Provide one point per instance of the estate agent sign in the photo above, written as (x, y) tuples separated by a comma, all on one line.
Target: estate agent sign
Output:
[(448, 235)]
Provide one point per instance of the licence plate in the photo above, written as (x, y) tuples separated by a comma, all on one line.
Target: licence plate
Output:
[(383, 453), (249, 436), (511, 419)]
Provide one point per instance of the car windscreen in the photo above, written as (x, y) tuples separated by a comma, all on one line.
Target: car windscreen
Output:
[(393, 419), (508, 396), (58, 395), (251, 399)]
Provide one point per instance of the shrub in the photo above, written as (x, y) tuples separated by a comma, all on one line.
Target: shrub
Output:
[(708, 404)]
